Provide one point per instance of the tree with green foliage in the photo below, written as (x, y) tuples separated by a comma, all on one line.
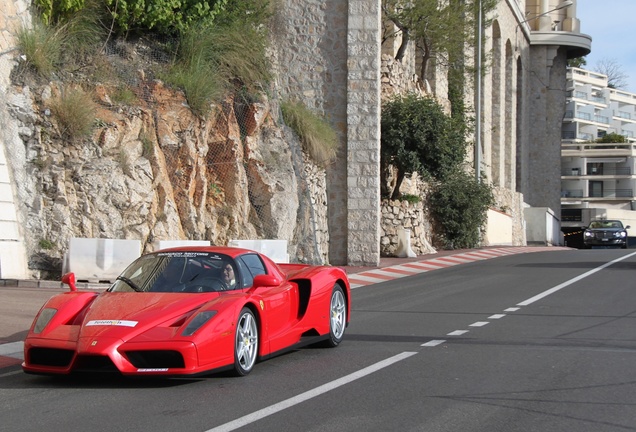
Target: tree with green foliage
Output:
[(438, 29), (460, 205), (418, 137), (578, 62)]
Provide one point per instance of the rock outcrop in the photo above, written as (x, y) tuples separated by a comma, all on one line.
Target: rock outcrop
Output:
[(157, 171)]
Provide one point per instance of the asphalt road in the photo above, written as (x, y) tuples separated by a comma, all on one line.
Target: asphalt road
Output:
[(543, 341)]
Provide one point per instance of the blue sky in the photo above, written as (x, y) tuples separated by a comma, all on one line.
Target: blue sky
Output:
[(611, 25)]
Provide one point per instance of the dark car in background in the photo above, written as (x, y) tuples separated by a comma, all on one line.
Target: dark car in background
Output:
[(605, 233)]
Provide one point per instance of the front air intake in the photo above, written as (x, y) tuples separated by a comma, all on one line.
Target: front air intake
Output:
[(50, 357), (156, 359)]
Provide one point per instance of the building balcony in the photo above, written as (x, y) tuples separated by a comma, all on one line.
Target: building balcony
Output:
[(589, 118), (583, 76), (605, 172), (577, 44), (593, 149), (605, 195)]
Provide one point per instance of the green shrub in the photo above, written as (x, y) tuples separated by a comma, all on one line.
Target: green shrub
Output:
[(211, 61), (163, 16), (413, 199), (124, 95), (84, 32), (459, 205), (75, 112), (51, 11), (418, 137), (612, 138), (42, 47), (199, 83), (318, 138), (46, 244)]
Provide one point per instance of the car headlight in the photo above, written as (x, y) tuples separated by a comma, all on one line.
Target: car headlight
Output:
[(43, 319), (623, 234), (587, 234), (196, 322)]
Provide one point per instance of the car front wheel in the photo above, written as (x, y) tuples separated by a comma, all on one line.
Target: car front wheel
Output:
[(337, 316), (245, 343)]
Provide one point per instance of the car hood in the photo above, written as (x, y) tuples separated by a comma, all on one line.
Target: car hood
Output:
[(606, 229), (125, 315)]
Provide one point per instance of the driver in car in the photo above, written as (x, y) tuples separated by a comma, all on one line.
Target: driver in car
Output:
[(228, 276)]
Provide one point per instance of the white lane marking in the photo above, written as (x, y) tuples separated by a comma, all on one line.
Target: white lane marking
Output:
[(571, 281), (479, 324), (11, 373), (433, 343), (512, 309), (457, 333), (273, 409), (496, 316)]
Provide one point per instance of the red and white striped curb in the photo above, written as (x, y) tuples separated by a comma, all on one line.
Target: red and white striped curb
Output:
[(11, 354), (369, 277)]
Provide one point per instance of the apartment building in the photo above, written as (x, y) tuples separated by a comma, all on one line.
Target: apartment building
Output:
[(598, 180)]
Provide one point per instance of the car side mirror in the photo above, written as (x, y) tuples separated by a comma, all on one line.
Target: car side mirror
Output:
[(627, 227), (263, 280), (69, 279)]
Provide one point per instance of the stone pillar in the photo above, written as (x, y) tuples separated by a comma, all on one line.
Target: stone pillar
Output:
[(363, 132), (547, 106)]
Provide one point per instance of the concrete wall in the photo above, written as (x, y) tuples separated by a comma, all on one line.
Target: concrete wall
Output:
[(498, 229), (544, 228)]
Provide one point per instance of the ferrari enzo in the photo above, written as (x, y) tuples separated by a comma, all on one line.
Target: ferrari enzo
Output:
[(189, 311)]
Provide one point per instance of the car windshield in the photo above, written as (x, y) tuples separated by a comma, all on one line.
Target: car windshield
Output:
[(606, 224), (175, 272)]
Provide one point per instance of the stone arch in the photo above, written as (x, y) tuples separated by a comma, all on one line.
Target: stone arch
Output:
[(509, 117), (519, 106), (496, 123)]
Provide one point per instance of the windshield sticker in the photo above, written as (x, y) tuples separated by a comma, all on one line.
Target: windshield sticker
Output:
[(183, 254), (121, 323)]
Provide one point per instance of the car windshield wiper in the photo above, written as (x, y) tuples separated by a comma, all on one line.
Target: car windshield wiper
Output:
[(130, 283)]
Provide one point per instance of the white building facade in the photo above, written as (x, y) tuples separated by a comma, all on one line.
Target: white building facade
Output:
[(598, 180)]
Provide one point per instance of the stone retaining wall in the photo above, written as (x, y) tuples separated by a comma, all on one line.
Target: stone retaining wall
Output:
[(410, 216)]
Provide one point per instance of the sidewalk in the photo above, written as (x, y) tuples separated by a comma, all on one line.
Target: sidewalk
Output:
[(20, 300)]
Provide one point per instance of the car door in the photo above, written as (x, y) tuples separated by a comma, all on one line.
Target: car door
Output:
[(278, 304)]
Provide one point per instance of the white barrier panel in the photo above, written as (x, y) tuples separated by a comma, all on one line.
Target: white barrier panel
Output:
[(97, 260), (276, 250), (165, 244), (404, 244)]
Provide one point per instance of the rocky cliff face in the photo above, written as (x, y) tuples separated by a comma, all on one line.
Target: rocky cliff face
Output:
[(156, 171)]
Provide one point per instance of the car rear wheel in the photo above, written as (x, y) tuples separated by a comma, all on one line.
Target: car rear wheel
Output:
[(337, 316), (245, 343)]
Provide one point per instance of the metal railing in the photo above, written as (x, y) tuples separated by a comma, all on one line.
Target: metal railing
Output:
[(615, 171), (601, 147), (606, 193)]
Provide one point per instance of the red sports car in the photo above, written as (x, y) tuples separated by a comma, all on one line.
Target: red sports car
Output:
[(187, 311)]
